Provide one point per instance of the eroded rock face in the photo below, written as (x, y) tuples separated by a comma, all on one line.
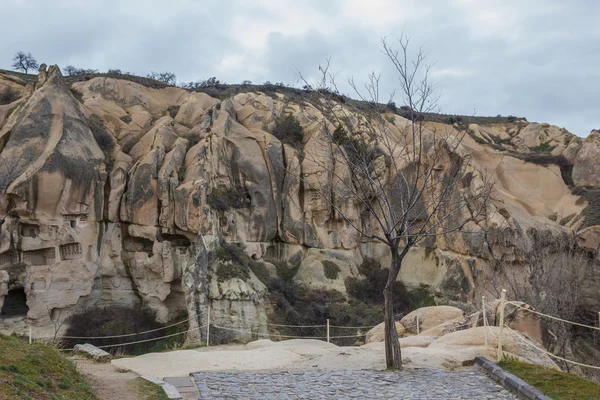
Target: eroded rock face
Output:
[(135, 216), (586, 169)]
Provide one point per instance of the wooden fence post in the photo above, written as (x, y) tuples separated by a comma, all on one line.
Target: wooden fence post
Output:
[(208, 327), (327, 330), (484, 321), (502, 303)]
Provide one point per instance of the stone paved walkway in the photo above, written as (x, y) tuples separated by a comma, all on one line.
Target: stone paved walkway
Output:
[(419, 384)]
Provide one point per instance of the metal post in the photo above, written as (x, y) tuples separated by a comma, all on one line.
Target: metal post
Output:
[(327, 330), (484, 321), (418, 329), (30, 334), (208, 327), (502, 300)]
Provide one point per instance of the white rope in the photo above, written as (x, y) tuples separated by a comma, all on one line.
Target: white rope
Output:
[(552, 317), (288, 336), (265, 334), (298, 326), (147, 340), (352, 327), (116, 336), (529, 342)]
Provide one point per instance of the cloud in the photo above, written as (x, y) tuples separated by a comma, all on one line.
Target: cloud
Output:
[(535, 59)]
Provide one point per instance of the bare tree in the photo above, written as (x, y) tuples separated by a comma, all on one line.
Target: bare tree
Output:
[(166, 77), (24, 62), (411, 183)]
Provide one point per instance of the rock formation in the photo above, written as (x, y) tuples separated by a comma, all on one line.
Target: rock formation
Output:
[(112, 192)]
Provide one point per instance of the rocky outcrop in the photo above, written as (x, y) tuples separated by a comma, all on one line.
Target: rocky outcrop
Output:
[(430, 317), (123, 198), (586, 168)]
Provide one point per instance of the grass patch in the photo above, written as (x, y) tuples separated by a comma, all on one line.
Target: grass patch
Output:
[(543, 148), (556, 384), (173, 110), (147, 390), (38, 371)]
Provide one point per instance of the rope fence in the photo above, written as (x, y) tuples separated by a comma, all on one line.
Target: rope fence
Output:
[(524, 338)]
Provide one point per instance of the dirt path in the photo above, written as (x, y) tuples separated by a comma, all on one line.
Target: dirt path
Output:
[(107, 381)]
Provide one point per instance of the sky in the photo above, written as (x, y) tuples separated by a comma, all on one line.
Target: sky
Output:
[(538, 59)]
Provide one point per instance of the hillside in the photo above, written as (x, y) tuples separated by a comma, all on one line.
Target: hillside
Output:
[(121, 190), (38, 371)]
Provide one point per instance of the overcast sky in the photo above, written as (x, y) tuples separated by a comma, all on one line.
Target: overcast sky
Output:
[(534, 58)]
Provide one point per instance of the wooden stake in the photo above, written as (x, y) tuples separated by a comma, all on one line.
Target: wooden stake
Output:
[(502, 300)]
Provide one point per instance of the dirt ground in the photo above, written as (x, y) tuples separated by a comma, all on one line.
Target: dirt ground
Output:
[(108, 380)]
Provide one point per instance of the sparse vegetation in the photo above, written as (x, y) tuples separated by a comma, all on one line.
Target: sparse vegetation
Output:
[(77, 94), (120, 320), (331, 269), (38, 371), (233, 262), (126, 118), (543, 148), (558, 385), (288, 130), (591, 213), (173, 110), (166, 77), (565, 220), (8, 95), (232, 198), (146, 390)]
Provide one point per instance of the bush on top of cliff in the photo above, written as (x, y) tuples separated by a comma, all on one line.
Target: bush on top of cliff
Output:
[(120, 320), (289, 131)]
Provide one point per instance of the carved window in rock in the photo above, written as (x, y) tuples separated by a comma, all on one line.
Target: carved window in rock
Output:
[(76, 220), (30, 230), (71, 251), (9, 257), (40, 257)]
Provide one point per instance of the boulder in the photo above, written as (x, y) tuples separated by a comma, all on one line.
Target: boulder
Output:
[(513, 342), (416, 341), (430, 317), (93, 352), (377, 334)]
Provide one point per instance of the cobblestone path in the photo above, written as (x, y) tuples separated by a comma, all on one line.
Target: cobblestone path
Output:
[(419, 384)]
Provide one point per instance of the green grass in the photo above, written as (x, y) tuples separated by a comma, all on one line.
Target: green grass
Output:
[(556, 384), (39, 371), (147, 390)]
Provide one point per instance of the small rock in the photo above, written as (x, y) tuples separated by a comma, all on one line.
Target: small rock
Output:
[(93, 352)]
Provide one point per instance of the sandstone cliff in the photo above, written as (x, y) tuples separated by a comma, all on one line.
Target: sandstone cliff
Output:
[(112, 192)]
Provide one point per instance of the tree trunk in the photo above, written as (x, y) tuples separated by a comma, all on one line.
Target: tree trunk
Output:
[(393, 355)]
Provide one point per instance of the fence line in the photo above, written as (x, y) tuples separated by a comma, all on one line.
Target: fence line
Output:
[(287, 336), (553, 317), (145, 340), (124, 335), (529, 342)]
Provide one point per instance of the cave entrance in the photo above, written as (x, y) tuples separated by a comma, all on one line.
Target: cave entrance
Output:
[(15, 303)]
